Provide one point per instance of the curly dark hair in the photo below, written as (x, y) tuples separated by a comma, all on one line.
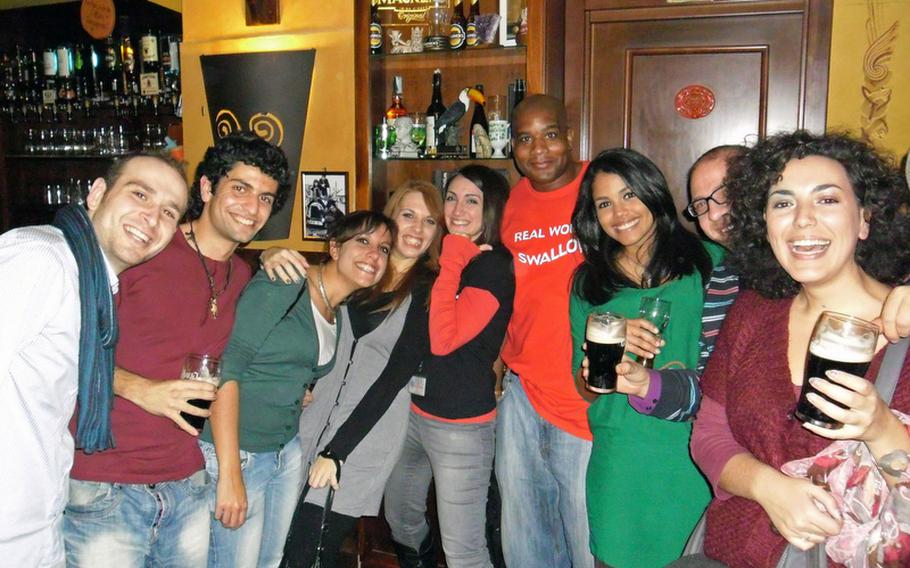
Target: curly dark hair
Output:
[(878, 186), (675, 252), (235, 148)]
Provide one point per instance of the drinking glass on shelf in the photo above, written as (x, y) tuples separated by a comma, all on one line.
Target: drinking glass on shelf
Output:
[(499, 137), (419, 132), (205, 368), (495, 108), (656, 311)]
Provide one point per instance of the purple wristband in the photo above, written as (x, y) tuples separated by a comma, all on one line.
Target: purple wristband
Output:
[(647, 403)]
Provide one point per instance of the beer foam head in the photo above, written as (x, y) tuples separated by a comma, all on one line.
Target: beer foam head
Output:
[(835, 347), (606, 328)]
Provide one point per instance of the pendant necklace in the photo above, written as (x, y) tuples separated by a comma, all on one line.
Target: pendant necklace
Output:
[(322, 294), (213, 294)]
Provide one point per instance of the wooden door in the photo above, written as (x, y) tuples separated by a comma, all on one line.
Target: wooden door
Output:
[(673, 79)]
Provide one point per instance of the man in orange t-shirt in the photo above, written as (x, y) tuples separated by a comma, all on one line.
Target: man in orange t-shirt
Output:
[(542, 434)]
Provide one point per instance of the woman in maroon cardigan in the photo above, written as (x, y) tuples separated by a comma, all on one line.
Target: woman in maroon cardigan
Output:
[(821, 224)]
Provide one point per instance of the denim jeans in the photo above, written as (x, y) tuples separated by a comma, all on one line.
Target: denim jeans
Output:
[(541, 474), (273, 482), (460, 458), (117, 525)]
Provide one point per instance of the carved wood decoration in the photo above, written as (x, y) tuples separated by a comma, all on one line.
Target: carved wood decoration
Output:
[(876, 93)]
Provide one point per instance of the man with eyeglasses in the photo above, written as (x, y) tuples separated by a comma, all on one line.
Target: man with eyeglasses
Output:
[(676, 391)]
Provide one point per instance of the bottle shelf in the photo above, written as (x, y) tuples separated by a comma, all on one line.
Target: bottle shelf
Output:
[(462, 58), (64, 156)]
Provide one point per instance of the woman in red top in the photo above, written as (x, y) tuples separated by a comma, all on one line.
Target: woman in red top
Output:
[(453, 407), (821, 224)]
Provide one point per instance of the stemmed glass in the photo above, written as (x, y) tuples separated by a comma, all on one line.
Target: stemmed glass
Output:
[(656, 311)]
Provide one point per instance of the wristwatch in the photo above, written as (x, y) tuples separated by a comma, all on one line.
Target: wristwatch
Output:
[(894, 463)]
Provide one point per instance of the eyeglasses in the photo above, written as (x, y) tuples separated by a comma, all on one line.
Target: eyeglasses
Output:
[(700, 206)]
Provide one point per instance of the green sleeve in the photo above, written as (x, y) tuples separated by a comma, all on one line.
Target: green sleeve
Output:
[(578, 320), (261, 306)]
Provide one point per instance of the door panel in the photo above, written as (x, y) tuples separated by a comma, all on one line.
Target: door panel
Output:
[(635, 58)]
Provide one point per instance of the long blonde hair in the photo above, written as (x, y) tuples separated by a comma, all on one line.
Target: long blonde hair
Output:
[(425, 268)]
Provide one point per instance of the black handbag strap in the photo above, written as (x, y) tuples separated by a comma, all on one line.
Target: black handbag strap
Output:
[(890, 371)]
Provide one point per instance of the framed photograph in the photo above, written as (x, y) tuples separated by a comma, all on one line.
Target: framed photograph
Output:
[(325, 199), (512, 15)]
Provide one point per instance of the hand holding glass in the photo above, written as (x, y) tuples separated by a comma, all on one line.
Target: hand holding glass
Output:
[(839, 342), (205, 368), (605, 337), (656, 311)]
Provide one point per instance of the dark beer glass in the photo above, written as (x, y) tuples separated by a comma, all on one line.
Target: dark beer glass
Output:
[(200, 368), (606, 338), (839, 342)]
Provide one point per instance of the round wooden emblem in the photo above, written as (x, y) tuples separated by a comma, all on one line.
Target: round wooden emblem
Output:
[(694, 101), (98, 17)]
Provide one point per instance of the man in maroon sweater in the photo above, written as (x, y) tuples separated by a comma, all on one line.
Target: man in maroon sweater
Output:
[(144, 502)]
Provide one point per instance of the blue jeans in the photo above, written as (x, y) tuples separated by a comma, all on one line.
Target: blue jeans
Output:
[(460, 458), (120, 525), (273, 482), (541, 474)]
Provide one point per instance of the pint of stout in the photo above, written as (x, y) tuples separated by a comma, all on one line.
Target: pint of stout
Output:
[(839, 342), (605, 336)]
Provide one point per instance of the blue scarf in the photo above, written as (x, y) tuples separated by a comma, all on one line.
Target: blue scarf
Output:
[(98, 332)]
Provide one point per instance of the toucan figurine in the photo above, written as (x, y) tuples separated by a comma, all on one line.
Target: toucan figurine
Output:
[(454, 113)]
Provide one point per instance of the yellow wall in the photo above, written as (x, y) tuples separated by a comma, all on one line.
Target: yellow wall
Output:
[(219, 26), (850, 45)]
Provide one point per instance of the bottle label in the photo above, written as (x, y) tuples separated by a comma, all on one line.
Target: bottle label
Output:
[(149, 49), (375, 36), (174, 47), (49, 96), (63, 62), (50, 63), (431, 132), (470, 39), (148, 84), (456, 36)]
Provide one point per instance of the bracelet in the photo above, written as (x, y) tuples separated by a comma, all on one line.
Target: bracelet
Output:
[(894, 463)]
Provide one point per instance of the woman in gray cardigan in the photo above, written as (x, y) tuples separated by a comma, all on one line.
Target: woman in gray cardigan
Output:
[(358, 418)]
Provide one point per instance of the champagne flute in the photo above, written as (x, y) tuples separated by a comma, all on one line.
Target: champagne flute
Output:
[(656, 311)]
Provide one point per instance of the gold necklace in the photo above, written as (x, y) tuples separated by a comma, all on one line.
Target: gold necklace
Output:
[(210, 276)]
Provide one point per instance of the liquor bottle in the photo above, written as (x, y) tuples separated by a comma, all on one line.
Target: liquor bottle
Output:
[(375, 29), (170, 67), (470, 32), (519, 94), (112, 71), (150, 65), (128, 66), (49, 88), (65, 88), (456, 28), (397, 107), (478, 118), (436, 108)]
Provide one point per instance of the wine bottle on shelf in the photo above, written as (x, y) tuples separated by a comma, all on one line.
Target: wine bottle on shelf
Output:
[(150, 66), (470, 37), (436, 108), (457, 27), (519, 94), (49, 84), (170, 68), (112, 71), (479, 118), (375, 29), (397, 107), (128, 66)]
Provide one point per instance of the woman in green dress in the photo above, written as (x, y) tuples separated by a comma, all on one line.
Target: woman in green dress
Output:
[(644, 494)]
